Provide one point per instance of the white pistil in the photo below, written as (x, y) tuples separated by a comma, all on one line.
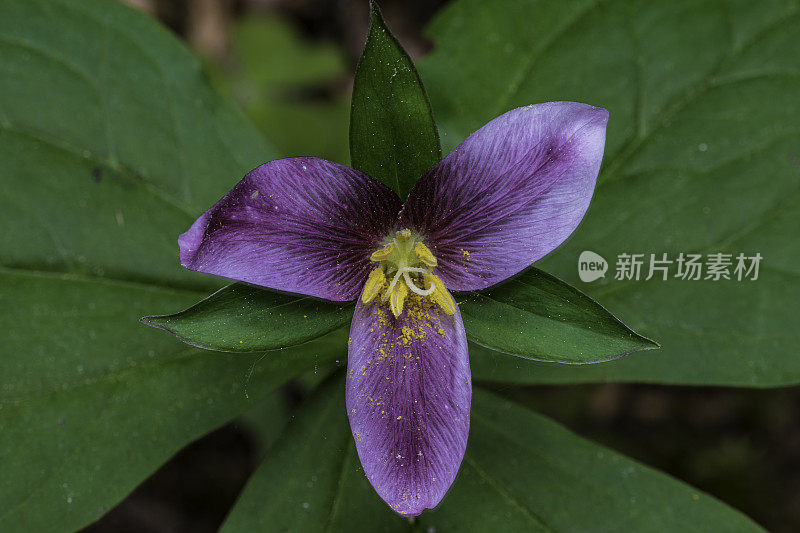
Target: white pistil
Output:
[(409, 262), (409, 282), (414, 288), (391, 285)]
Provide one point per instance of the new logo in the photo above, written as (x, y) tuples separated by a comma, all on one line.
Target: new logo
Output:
[(591, 266)]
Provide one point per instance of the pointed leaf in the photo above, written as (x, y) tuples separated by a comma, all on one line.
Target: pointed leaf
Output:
[(537, 316), (393, 136), (243, 318)]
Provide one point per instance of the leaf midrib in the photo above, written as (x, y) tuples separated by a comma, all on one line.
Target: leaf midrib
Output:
[(527, 66), (600, 333), (674, 106), (559, 465), (505, 493), (60, 275), (137, 178)]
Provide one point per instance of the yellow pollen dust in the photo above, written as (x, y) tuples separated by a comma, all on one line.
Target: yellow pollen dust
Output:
[(405, 267)]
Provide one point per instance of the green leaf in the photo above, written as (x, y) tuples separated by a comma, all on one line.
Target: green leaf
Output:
[(523, 472), (393, 136), (116, 400), (243, 318), (327, 489), (537, 316), (101, 175), (111, 144), (701, 157)]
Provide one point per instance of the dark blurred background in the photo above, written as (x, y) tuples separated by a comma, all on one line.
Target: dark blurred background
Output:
[(288, 64)]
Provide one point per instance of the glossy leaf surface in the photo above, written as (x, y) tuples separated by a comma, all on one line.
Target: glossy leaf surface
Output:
[(537, 316), (243, 318), (393, 136)]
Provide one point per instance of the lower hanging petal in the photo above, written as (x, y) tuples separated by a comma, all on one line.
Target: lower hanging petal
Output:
[(408, 400)]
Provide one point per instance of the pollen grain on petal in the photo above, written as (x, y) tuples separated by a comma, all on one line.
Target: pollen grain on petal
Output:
[(401, 390)]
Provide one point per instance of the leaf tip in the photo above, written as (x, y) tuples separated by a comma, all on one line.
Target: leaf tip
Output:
[(153, 321), (649, 344), (376, 21), (374, 9)]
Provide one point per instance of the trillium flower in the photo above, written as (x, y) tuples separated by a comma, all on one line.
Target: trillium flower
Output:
[(511, 193)]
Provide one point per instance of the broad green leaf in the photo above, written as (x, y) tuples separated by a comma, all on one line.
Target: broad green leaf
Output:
[(243, 318), (101, 175), (523, 472), (116, 399), (393, 136), (265, 421), (111, 144), (537, 316), (700, 158), (326, 489)]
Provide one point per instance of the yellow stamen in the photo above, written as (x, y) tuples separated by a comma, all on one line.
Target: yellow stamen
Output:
[(440, 294), (405, 266), (397, 298), (424, 254), (383, 253), (374, 285)]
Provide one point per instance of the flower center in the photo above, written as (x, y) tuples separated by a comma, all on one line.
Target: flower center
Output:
[(405, 265)]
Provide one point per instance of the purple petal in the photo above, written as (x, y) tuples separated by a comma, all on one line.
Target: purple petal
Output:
[(303, 225), (511, 193), (408, 400)]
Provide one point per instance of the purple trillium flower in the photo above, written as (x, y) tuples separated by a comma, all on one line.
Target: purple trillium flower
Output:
[(508, 195)]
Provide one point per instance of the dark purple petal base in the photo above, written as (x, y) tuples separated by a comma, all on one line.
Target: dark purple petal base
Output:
[(303, 225)]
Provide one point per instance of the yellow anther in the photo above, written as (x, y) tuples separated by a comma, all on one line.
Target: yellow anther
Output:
[(440, 294), (383, 253), (424, 254), (406, 266), (372, 288), (397, 298)]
